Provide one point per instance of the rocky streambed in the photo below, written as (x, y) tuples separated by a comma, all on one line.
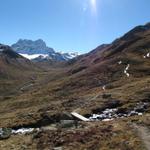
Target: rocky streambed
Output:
[(7, 132), (107, 114), (112, 113)]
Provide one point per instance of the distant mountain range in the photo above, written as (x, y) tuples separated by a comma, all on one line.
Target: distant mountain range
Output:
[(39, 51)]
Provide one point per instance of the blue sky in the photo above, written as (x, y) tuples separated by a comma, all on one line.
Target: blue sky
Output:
[(70, 25)]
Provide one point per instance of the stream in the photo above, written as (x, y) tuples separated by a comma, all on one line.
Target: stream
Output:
[(110, 114), (106, 115)]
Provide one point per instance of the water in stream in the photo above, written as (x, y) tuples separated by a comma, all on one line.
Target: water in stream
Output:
[(106, 115), (110, 114)]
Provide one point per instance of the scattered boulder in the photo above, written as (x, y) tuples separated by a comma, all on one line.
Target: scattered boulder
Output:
[(5, 133), (67, 123), (133, 113), (141, 107)]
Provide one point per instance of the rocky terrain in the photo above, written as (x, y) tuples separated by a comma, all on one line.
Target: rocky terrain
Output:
[(109, 86)]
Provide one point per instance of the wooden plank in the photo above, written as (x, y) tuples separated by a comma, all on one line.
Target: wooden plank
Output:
[(79, 116)]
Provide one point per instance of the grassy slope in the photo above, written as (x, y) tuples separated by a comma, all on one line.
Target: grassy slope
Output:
[(67, 90), (79, 87)]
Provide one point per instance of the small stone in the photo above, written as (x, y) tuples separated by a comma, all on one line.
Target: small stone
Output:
[(57, 148), (140, 114), (24, 147)]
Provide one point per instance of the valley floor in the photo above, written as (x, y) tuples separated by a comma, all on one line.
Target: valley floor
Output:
[(121, 134), (53, 93)]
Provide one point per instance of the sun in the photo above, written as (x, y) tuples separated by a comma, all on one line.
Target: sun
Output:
[(93, 6), (93, 3)]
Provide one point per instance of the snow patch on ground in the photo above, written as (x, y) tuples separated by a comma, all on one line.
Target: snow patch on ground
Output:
[(24, 130), (147, 55), (104, 87), (120, 62), (107, 120), (1, 131), (126, 70), (106, 115)]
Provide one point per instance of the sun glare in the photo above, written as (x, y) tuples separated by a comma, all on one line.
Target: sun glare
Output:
[(93, 2), (93, 6)]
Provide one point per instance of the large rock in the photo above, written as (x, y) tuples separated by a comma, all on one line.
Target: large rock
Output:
[(68, 123), (5, 133), (66, 116)]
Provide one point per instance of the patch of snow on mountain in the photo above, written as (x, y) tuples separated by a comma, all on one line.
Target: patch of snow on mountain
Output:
[(34, 56), (104, 87), (120, 62), (147, 55), (126, 69), (72, 55), (68, 56)]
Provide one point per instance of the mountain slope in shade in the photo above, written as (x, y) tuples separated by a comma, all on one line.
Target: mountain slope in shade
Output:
[(15, 70), (9, 58), (39, 51)]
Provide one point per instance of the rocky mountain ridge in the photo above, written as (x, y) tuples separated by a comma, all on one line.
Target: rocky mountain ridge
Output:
[(38, 50)]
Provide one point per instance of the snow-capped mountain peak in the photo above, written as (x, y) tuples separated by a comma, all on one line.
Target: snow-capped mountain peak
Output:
[(39, 50)]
